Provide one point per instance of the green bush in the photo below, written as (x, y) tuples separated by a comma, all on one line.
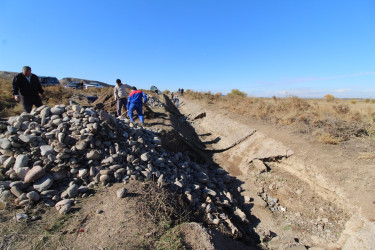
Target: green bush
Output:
[(237, 92)]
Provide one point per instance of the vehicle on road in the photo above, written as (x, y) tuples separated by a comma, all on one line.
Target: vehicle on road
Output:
[(75, 85), (48, 81), (93, 85)]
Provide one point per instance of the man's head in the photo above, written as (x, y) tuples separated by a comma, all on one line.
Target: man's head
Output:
[(26, 70), (134, 88), (118, 81)]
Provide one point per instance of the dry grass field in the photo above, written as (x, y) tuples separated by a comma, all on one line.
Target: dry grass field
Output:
[(330, 119), (53, 95)]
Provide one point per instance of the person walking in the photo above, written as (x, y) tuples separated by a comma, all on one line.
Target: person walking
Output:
[(26, 88), (135, 103), (120, 96), (182, 92)]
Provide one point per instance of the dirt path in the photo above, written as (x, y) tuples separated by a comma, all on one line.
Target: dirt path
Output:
[(327, 191)]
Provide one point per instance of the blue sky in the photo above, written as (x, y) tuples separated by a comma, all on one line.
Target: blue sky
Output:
[(265, 48)]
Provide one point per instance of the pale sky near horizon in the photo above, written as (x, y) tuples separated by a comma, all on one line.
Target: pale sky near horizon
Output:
[(264, 48)]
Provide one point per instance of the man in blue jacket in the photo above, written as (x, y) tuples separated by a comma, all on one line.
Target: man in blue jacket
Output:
[(135, 103)]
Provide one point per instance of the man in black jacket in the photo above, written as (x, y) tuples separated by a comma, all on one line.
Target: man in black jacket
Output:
[(26, 87)]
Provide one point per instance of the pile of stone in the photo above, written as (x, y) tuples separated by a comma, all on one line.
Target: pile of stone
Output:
[(54, 155), (154, 102)]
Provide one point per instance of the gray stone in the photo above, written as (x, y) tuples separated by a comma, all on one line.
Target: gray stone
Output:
[(62, 203), (46, 150), (46, 111), (20, 217), (104, 178), (21, 172), (145, 156), (33, 196), (57, 111), (21, 161), (93, 155), (16, 191), (5, 143), (72, 190), (65, 209), (43, 183), (81, 145), (83, 173), (121, 193), (9, 162), (3, 158), (27, 138)]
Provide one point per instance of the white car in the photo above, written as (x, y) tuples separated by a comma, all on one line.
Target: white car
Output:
[(93, 85)]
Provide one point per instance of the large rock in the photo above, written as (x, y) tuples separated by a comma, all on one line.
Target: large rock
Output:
[(21, 161), (34, 174), (43, 183), (46, 111), (46, 150), (260, 167), (81, 145), (5, 143), (21, 172), (9, 162), (121, 193), (93, 155), (57, 111), (27, 138)]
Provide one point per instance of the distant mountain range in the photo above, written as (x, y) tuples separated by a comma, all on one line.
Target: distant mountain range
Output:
[(9, 76)]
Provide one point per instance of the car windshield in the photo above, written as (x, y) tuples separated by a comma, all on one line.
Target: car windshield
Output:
[(74, 84)]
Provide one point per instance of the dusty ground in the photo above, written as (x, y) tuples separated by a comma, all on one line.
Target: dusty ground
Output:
[(326, 190)]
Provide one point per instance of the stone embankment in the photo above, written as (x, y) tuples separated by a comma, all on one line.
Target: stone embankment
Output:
[(54, 155)]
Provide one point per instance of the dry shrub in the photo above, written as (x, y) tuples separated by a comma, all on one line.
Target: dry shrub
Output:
[(367, 155), (353, 101), (373, 101), (333, 118), (236, 92), (341, 108), (329, 98), (329, 139), (367, 100), (162, 205), (57, 95)]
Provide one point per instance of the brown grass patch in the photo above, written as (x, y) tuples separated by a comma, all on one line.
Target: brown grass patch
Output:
[(335, 120)]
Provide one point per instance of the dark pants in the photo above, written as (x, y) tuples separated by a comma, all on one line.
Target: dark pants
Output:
[(138, 108), (28, 102), (120, 103)]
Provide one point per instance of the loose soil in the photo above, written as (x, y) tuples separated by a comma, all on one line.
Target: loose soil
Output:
[(327, 191)]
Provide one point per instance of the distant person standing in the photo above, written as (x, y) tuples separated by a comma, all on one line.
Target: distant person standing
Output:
[(135, 103), (179, 91), (182, 92), (120, 96), (176, 100), (26, 88)]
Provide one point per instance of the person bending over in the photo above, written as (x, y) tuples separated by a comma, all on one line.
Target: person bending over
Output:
[(135, 103)]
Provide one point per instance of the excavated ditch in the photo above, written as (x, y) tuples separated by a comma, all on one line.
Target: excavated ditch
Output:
[(283, 208)]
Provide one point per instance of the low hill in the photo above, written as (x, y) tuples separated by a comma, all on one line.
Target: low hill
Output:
[(68, 80), (7, 75)]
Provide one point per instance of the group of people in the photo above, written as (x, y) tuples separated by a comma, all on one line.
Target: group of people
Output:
[(26, 88), (132, 102), (181, 92)]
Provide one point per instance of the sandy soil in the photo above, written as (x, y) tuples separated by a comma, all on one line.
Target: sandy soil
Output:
[(327, 190)]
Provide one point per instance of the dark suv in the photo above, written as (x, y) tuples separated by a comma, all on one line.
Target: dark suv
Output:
[(48, 81)]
